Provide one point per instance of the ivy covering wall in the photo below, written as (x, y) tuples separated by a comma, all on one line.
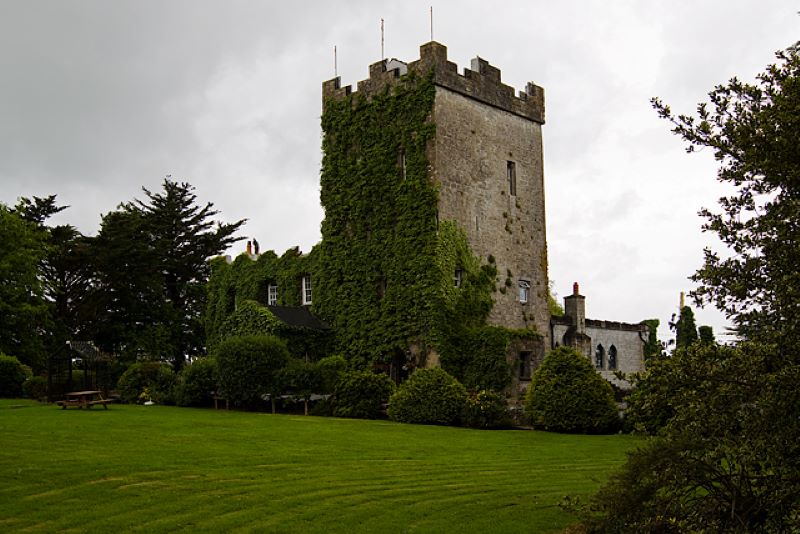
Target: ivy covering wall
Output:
[(384, 274), (232, 284)]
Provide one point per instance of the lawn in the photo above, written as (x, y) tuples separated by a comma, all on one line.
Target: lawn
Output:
[(159, 468)]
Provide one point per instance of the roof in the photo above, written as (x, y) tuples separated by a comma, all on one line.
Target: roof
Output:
[(298, 316)]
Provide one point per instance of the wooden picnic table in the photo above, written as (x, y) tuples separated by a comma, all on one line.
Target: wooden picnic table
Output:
[(83, 399)]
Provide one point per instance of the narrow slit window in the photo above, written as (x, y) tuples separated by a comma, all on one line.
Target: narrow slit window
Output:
[(599, 357), (511, 175), (458, 277), (612, 358), (402, 164)]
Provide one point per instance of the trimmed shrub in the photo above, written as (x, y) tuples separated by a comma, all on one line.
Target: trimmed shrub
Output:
[(362, 394), (247, 368), (196, 383), (300, 379), (157, 378), (429, 396), (12, 375), (331, 370), (485, 409), (567, 395), (35, 387)]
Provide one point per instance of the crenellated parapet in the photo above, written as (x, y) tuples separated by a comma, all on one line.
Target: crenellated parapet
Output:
[(481, 82)]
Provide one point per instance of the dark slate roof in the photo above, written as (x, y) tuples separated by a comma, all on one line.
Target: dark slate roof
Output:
[(298, 316)]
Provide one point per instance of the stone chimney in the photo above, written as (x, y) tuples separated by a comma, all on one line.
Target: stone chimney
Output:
[(575, 309)]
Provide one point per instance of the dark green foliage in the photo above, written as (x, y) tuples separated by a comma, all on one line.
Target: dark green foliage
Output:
[(567, 395), (248, 367), (726, 460), (300, 379), (240, 289), (429, 396), (331, 369), (66, 273), (485, 409), (252, 319), (13, 375), (196, 383), (378, 287), (685, 328), (653, 347), (22, 308), (706, 334), (477, 357), (157, 378), (35, 387), (362, 394), (752, 131), (151, 257), (651, 403)]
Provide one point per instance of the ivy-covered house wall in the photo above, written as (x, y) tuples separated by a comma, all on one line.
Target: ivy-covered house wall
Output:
[(239, 295)]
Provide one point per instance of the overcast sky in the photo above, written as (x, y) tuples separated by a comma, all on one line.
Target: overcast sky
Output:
[(99, 98)]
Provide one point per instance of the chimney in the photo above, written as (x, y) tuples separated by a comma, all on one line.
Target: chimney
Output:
[(575, 309), (249, 248)]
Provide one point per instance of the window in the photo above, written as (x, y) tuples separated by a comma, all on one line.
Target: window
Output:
[(306, 289), (511, 175), (458, 277), (524, 291), (612, 358), (525, 365), (599, 357), (272, 295), (401, 160)]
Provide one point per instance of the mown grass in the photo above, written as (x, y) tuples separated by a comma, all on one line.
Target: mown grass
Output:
[(157, 468)]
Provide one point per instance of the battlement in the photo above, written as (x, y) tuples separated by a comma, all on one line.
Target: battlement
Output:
[(481, 82)]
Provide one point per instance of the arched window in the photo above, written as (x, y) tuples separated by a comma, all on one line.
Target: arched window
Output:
[(612, 358), (599, 357)]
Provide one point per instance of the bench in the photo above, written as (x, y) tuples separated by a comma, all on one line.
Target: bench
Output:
[(217, 398)]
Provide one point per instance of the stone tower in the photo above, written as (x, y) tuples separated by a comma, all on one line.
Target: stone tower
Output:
[(485, 159)]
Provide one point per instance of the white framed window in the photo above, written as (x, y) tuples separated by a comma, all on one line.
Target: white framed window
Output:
[(306, 289), (458, 277), (272, 295), (524, 291)]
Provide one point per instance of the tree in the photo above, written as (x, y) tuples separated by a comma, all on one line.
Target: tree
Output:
[(685, 328), (726, 458), (23, 312), (66, 273), (752, 131), (152, 262), (567, 395)]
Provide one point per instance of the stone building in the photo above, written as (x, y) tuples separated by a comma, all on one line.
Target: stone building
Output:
[(416, 159), (611, 346)]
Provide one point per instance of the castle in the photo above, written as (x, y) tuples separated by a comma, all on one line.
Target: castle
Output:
[(434, 248)]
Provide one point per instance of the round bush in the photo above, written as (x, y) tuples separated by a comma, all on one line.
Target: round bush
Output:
[(485, 409), (567, 395), (157, 378), (12, 375), (248, 366), (362, 394), (429, 396), (196, 382), (35, 387)]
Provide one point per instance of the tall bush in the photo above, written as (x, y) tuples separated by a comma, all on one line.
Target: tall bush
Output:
[(567, 395), (248, 367), (12, 375), (157, 378), (362, 394), (196, 383), (429, 396), (485, 409)]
